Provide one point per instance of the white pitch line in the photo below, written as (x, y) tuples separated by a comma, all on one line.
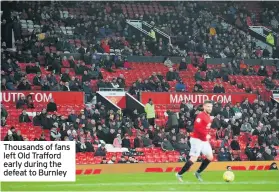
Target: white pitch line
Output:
[(154, 184)]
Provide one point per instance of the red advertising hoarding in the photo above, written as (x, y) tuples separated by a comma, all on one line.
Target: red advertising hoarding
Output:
[(45, 96), (196, 98)]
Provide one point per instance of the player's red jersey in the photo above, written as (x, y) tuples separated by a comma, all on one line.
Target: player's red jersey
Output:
[(200, 124)]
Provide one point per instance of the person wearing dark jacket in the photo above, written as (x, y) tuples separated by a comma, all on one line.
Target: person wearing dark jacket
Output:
[(172, 121), (262, 71), (42, 137), (218, 89), (66, 76), (267, 155), (37, 121), (85, 77), (171, 75), (138, 142), (101, 151), (21, 102), (157, 141), (66, 87), (37, 79), (228, 113), (223, 155), (235, 144), (72, 117), (19, 136), (126, 142), (24, 85), (108, 63), (47, 122), (9, 136), (24, 118), (51, 106), (182, 146), (216, 123), (122, 160), (182, 65)]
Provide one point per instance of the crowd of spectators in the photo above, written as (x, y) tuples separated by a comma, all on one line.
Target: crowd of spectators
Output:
[(204, 33), (195, 28), (96, 126)]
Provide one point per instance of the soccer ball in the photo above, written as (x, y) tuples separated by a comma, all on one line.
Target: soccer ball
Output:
[(228, 176)]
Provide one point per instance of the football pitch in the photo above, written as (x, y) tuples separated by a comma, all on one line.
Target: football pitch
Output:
[(213, 181)]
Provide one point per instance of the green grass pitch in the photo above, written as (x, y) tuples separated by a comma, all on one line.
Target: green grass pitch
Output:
[(213, 181)]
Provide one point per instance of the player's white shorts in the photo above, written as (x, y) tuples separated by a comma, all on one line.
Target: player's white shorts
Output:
[(198, 146)]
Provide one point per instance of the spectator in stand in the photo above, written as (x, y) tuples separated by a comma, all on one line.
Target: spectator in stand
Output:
[(126, 141), (269, 83), (21, 103), (246, 127), (119, 63), (267, 155), (37, 121), (218, 88), (262, 71), (4, 112), (168, 62), (138, 143), (223, 155), (235, 144), (122, 160), (224, 72), (183, 65), (112, 160), (18, 136), (182, 146), (24, 85), (117, 142), (150, 112), (228, 113), (198, 87), (259, 157), (171, 75), (47, 121), (101, 151), (108, 64), (72, 116), (114, 83), (147, 142), (66, 76), (51, 106), (37, 80), (172, 122), (45, 86), (4, 84), (29, 102), (216, 123), (66, 87), (198, 76), (3, 121), (225, 143), (24, 118), (85, 77), (274, 139), (166, 145), (9, 136), (104, 160), (180, 86), (54, 133), (88, 91)]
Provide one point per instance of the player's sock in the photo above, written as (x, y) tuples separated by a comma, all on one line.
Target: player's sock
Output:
[(204, 164), (186, 167)]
